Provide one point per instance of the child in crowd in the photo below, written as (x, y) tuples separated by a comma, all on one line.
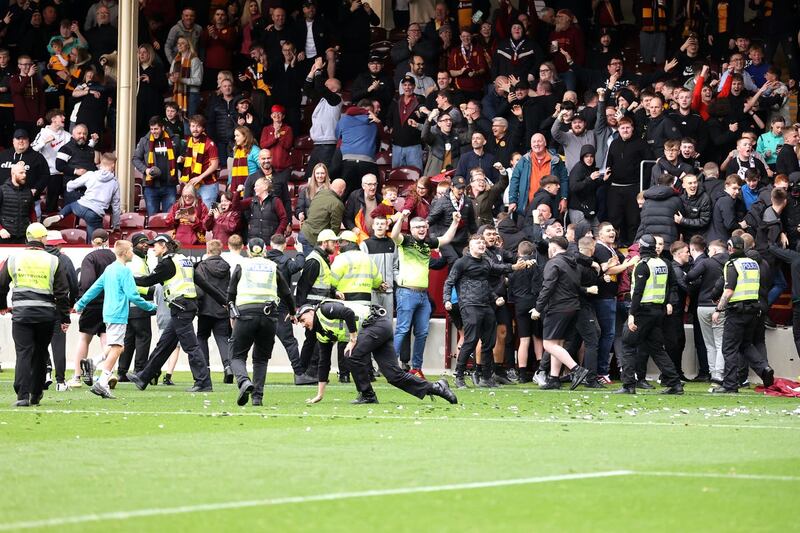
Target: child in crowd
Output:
[(386, 208)]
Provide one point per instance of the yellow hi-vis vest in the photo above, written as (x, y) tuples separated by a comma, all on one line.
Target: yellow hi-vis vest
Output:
[(655, 290), (748, 281), (354, 272), (33, 272), (335, 328), (182, 283), (258, 283), (139, 268), (321, 288)]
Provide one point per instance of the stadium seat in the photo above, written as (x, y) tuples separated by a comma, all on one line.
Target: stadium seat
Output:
[(130, 223), (150, 233), (378, 34), (397, 34), (74, 235), (304, 143), (404, 174), (158, 222)]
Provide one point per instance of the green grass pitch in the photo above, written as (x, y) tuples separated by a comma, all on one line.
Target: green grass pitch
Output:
[(511, 459)]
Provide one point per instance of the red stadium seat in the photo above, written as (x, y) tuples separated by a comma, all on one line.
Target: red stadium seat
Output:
[(404, 174), (304, 143), (378, 34), (150, 233), (158, 222), (74, 236), (130, 223)]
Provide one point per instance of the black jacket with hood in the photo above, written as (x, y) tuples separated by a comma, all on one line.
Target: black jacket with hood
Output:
[(217, 272)]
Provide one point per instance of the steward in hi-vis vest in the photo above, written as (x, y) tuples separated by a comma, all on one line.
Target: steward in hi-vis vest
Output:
[(256, 288), (643, 336), (176, 274), (39, 299)]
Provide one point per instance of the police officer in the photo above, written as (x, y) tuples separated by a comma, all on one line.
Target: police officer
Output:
[(138, 334), (40, 297), (256, 288), (176, 273), (313, 286), (353, 274), (367, 330), (651, 285), (739, 302)]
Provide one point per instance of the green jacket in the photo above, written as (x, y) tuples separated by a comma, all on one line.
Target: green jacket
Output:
[(325, 212)]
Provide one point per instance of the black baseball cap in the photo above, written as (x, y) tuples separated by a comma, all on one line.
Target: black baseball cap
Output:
[(138, 238), (459, 182), (21, 133)]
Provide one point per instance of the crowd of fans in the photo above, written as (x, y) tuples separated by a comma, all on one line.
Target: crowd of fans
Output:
[(531, 120)]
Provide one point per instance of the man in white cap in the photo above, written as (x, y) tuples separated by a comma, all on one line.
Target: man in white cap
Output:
[(40, 296)]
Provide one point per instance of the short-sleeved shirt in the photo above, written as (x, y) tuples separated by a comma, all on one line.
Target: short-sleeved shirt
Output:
[(607, 289), (415, 257)]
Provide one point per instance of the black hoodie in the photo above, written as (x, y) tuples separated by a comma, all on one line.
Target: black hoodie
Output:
[(561, 286), (661, 203), (217, 272)]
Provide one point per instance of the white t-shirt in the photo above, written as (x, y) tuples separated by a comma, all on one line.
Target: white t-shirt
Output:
[(311, 48)]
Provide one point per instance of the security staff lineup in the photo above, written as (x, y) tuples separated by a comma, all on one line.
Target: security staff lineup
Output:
[(337, 308)]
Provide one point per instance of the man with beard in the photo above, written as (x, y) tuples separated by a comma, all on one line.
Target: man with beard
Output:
[(16, 206), (442, 210), (573, 139), (75, 159), (374, 84)]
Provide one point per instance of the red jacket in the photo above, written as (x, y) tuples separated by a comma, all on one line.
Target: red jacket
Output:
[(224, 225), (219, 51), (27, 95), (280, 145), (475, 63), (189, 230), (570, 40)]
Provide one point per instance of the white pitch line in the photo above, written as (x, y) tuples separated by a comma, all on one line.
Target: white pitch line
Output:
[(219, 506), (268, 414), (755, 477)]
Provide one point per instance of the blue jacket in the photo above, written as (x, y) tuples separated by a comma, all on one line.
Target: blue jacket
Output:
[(358, 135), (518, 186), (120, 291)]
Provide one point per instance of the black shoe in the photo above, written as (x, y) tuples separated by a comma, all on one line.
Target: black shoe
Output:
[(683, 378), (245, 388), (625, 390), (553, 383), (154, 381), (198, 388), (768, 377), (578, 376), (487, 383), (644, 384), (36, 398), (122, 377), (87, 371), (460, 383), (305, 379), (48, 380), (21, 403), (769, 323), (405, 366), (227, 375), (344, 378), (365, 399), (723, 390), (503, 379), (702, 378), (442, 389), (593, 384), (168, 380), (677, 390), (136, 380), (525, 376), (475, 377), (745, 384), (257, 401)]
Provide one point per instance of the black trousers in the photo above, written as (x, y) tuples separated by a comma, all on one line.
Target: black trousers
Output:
[(623, 212), (646, 341), (585, 329), (280, 188), (221, 328), (353, 171), (58, 344), (738, 347), (138, 336), (55, 186), (179, 331), (31, 340), (249, 330), (479, 323), (675, 338), (699, 344), (309, 353), (796, 325), (321, 153), (377, 341), (285, 334)]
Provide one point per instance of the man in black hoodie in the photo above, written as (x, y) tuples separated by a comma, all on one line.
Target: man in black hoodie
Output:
[(476, 300), (211, 316), (35, 164), (651, 286), (559, 302), (661, 204), (288, 266), (659, 127), (523, 287)]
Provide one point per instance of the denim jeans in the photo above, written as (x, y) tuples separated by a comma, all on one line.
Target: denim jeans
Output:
[(93, 220), (159, 199), (413, 308), (778, 286), (606, 311), (208, 194), (407, 156)]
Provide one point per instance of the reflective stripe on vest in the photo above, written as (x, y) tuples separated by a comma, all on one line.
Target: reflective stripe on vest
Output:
[(258, 283), (353, 272), (655, 289), (32, 272), (338, 328), (182, 283), (321, 288), (139, 268), (748, 280)]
